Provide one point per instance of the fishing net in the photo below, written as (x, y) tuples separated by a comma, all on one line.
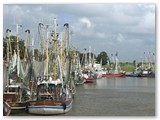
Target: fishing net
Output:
[(39, 68), (25, 68)]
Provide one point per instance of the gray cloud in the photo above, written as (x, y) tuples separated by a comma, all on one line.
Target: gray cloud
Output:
[(126, 28)]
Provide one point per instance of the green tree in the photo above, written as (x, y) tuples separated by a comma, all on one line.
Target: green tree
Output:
[(4, 49), (36, 53), (21, 49), (13, 42), (104, 57)]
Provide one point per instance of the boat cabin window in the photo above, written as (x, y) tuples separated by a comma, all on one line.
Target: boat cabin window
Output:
[(12, 89), (51, 86), (44, 97), (59, 85), (42, 86)]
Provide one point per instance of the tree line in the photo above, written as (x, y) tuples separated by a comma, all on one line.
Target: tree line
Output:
[(103, 56)]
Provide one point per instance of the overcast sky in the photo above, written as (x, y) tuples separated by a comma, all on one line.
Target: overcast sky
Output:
[(126, 28)]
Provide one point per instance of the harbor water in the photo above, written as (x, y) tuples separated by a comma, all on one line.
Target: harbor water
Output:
[(126, 96)]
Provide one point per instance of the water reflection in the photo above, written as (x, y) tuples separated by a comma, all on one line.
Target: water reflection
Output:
[(126, 83), (114, 97)]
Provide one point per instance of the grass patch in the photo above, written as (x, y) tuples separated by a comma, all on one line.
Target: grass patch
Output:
[(128, 68)]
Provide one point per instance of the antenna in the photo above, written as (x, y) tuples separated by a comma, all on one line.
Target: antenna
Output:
[(17, 27)]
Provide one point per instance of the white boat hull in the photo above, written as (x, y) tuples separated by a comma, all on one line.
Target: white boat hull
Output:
[(49, 110)]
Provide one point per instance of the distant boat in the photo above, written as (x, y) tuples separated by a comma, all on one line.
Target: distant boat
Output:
[(115, 72), (133, 75), (76, 68), (147, 73), (148, 67), (114, 75), (136, 72), (88, 71), (98, 70), (88, 76)]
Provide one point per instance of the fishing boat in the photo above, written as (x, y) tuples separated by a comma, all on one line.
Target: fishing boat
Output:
[(88, 76), (6, 106), (114, 74), (76, 68), (98, 70), (147, 73), (15, 94), (133, 75), (87, 70), (147, 68), (52, 98), (54, 93), (116, 71), (136, 72), (13, 98)]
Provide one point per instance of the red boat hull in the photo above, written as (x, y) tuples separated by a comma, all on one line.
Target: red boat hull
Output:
[(114, 75), (89, 80)]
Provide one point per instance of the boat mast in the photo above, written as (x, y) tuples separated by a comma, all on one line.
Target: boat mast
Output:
[(47, 47), (68, 42), (89, 56), (85, 59), (116, 63), (8, 61), (17, 27), (63, 50), (10, 45), (47, 55), (113, 65), (66, 25), (73, 58), (26, 43), (79, 64), (61, 54), (55, 50), (144, 60), (18, 55), (154, 58), (93, 61), (32, 45), (154, 62), (150, 61), (55, 36), (43, 46), (32, 49)]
